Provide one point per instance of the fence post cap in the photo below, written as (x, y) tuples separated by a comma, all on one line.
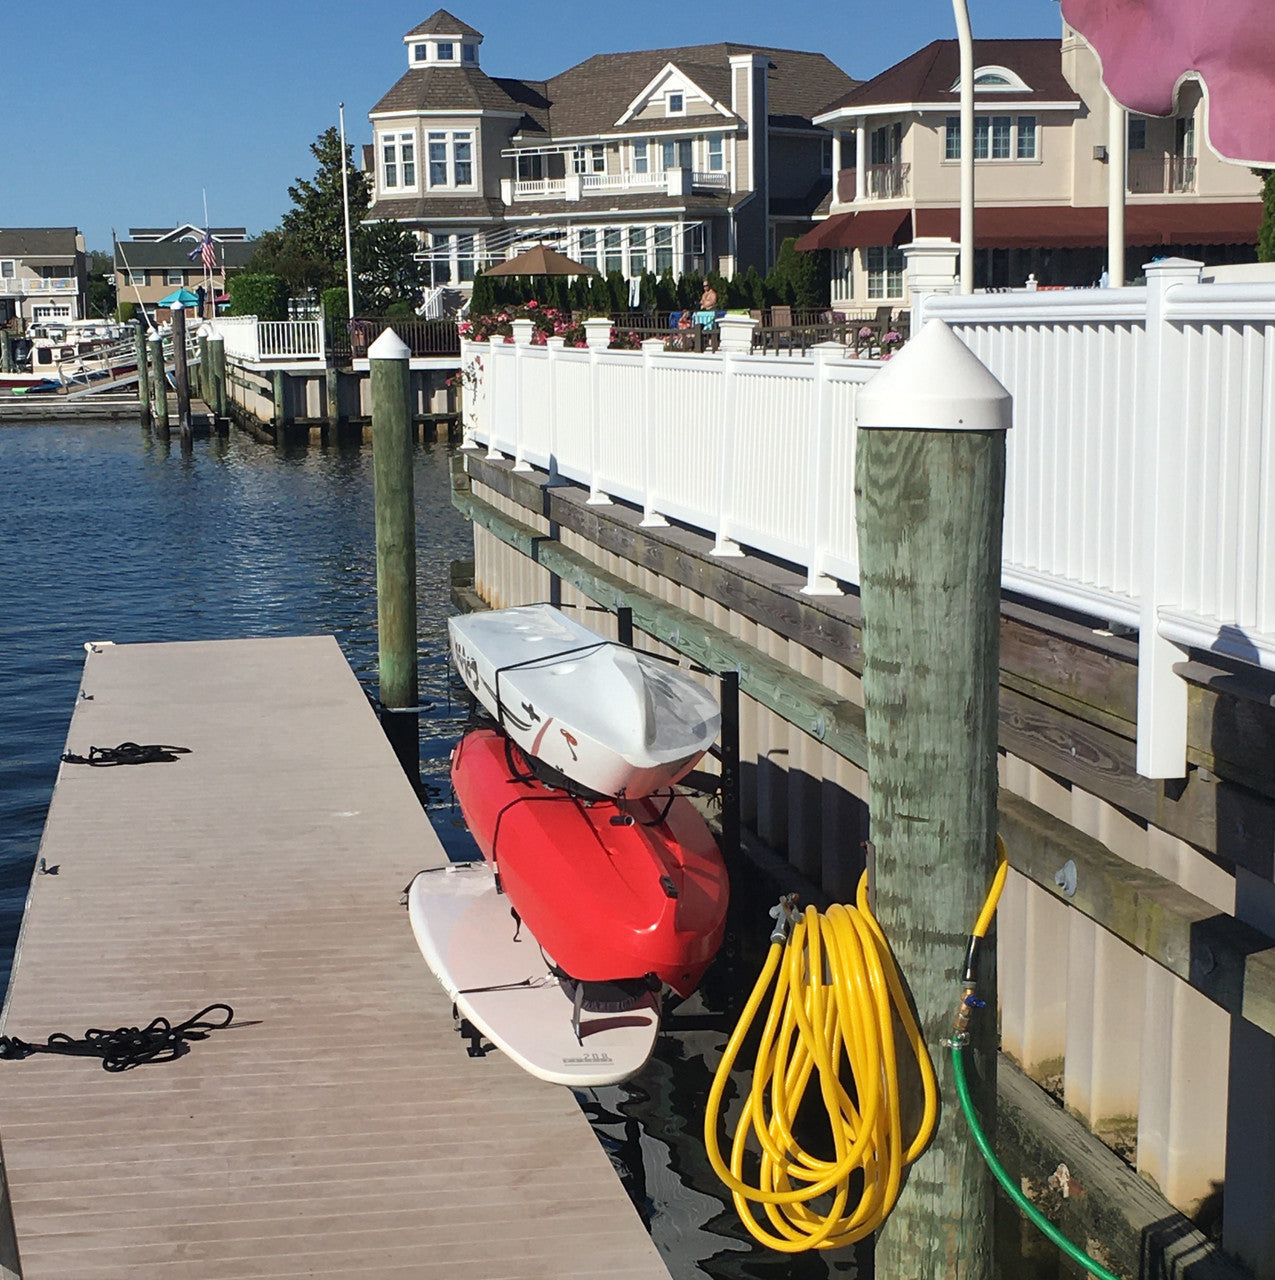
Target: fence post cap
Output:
[(389, 346), (934, 383)]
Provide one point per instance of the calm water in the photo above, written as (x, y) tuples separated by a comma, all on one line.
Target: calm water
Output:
[(107, 534)]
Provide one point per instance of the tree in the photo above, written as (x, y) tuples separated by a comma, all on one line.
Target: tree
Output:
[(315, 225), (387, 270), (100, 291), (1266, 236)]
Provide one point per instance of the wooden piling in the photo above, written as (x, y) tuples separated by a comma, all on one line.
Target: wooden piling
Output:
[(281, 419), (334, 400), (930, 483), (220, 401), (6, 352), (159, 382), (143, 382), (181, 375), (392, 482)]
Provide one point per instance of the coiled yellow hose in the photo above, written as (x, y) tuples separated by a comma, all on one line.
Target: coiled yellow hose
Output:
[(833, 1013)]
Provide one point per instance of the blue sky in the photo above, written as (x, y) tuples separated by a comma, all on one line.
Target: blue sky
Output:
[(123, 112)]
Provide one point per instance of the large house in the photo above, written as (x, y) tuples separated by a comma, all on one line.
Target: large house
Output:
[(43, 274), (701, 157), (1041, 166), (155, 261)]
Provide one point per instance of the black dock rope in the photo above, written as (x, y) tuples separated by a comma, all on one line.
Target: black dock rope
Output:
[(126, 1047), (126, 753)]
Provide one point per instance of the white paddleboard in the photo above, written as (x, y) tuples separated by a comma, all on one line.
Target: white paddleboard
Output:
[(494, 972)]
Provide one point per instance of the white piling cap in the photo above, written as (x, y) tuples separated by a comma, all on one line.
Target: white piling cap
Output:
[(389, 346), (935, 383)]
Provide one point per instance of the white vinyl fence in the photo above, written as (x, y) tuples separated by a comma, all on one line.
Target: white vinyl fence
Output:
[(1141, 467)]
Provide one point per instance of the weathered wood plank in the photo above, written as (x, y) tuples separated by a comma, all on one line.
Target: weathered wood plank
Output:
[(337, 1128)]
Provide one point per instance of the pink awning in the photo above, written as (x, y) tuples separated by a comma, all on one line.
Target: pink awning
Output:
[(1147, 46)]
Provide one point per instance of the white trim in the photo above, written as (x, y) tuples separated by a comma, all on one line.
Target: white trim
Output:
[(1015, 82), (923, 108), (459, 114)]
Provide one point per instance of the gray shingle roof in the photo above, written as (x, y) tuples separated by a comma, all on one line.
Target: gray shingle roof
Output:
[(438, 208), (442, 88), (442, 23), (152, 254), (37, 242)]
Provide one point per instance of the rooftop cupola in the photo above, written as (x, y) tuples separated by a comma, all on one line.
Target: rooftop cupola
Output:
[(442, 41)]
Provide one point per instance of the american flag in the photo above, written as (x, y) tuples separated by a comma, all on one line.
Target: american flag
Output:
[(206, 252)]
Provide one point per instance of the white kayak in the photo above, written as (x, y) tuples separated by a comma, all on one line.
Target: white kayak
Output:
[(614, 720), (495, 973)]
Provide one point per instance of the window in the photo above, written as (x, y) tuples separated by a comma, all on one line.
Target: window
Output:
[(451, 159), (469, 53), (677, 153), (641, 162), (7, 271), (398, 160), (420, 52), (637, 250), (446, 51), (676, 104), (1137, 133), (464, 257), (663, 250), (886, 144), (174, 275), (591, 159), (1184, 136), (885, 271), (530, 168), (825, 155), (136, 278), (441, 257), (589, 249), (717, 154), (613, 257), (995, 138)]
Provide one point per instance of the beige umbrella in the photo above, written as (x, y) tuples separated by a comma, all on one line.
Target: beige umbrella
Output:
[(541, 261)]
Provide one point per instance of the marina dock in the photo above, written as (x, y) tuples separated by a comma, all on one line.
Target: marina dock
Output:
[(336, 1127)]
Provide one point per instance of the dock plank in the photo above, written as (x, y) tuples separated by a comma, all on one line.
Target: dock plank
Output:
[(337, 1127)]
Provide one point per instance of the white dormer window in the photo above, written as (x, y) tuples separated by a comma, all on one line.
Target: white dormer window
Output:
[(675, 103), (420, 52), (446, 51), (995, 80), (469, 53)]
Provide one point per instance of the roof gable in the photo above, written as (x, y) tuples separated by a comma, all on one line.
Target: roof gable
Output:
[(671, 79), (931, 74)]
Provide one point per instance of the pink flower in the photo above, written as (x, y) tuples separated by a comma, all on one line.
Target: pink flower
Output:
[(887, 355), (892, 337), (532, 305), (866, 331)]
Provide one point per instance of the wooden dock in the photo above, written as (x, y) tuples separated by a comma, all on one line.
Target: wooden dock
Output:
[(337, 1126)]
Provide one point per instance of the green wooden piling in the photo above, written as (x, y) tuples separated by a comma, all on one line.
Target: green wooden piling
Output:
[(220, 402), (392, 482), (205, 387), (159, 382), (6, 352), (181, 375), (281, 419), (143, 381), (930, 485)]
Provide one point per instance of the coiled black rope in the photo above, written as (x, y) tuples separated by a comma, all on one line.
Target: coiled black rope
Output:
[(126, 1047), (126, 753)]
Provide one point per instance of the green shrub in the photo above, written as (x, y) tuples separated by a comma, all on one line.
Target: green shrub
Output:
[(126, 312), (263, 296), (1266, 235), (335, 310)]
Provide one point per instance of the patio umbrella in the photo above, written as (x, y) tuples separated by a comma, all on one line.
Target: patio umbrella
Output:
[(541, 261), (1148, 46), (180, 298)]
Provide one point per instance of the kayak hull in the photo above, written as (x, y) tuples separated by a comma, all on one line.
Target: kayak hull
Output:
[(612, 891)]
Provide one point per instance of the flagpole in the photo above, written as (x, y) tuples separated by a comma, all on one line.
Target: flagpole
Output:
[(965, 38), (345, 205), (203, 260)]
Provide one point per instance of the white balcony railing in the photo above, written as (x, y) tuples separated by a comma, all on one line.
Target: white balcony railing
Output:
[(593, 184), (885, 181), (539, 188), (622, 182), (1141, 466), (256, 341), (32, 286), (1165, 174), (710, 181)]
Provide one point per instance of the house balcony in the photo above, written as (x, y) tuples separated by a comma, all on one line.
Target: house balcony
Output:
[(28, 286), (1161, 175), (886, 181), (582, 186)]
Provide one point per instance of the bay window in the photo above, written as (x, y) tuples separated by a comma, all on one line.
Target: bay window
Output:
[(884, 265), (451, 159), (398, 160), (995, 138), (613, 257)]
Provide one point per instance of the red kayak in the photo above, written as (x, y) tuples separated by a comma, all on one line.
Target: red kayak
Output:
[(611, 892)]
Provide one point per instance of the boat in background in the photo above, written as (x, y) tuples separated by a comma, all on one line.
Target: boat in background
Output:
[(622, 896), (64, 353), (612, 720)]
